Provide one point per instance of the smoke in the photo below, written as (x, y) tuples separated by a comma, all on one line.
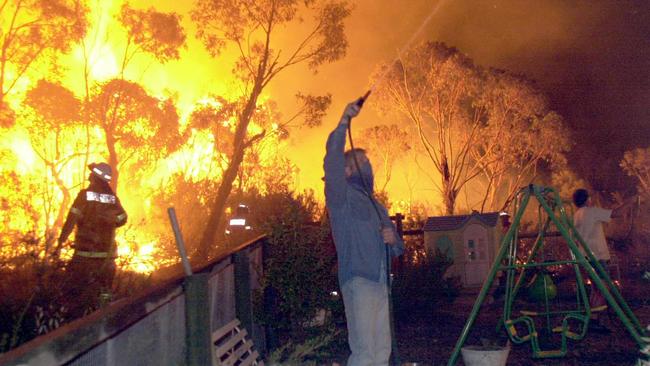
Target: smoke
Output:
[(590, 57)]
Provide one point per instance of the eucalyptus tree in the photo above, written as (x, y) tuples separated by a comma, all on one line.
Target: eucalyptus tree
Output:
[(478, 128), (386, 144), (138, 128), (253, 28), (521, 136), (435, 87)]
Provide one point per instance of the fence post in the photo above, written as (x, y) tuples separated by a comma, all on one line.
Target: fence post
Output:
[(243, 294), (197, 320), (400, 231)]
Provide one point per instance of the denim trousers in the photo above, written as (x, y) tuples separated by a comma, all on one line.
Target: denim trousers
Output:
[(366, 312)]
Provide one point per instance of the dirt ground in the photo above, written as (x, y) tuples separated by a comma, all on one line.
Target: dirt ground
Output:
[(429, 339)]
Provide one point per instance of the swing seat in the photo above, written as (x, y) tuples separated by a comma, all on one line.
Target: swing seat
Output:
[(553, 353), (512, 330), (532, 337), (567, 332)]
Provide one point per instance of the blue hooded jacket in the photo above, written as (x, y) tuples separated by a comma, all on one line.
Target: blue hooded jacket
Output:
[(360, 247)]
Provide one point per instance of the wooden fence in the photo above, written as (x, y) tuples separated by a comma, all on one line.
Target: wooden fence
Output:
[(169, 324)]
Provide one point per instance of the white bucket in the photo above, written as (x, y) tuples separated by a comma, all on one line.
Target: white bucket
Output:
[(482, 356)]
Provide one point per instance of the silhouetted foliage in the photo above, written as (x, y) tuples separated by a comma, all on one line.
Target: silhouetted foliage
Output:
[(33, 29), (250, 27), (422, 285), (300, 268), (137, 126), (157, 33)]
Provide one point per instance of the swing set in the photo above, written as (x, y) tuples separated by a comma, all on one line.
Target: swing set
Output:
[(549, 319)]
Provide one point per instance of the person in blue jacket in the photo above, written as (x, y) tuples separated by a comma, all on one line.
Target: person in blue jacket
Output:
[(363, 234)]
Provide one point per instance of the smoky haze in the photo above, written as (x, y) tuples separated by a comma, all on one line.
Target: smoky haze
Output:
[(591, 58)]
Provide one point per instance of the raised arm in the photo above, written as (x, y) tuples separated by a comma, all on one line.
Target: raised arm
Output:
[(334, 163)]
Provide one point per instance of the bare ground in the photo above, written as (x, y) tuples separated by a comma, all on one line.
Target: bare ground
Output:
[(429, 338)]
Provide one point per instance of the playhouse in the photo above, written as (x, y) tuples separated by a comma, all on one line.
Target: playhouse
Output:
[(471, 241)]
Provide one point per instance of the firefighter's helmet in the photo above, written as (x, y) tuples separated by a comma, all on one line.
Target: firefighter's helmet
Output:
[(102, 171)]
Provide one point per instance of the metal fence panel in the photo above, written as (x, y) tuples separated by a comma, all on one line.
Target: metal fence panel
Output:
[(158, 339), (222, 297)]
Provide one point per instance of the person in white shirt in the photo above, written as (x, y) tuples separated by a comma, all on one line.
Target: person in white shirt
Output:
[(588, 221)]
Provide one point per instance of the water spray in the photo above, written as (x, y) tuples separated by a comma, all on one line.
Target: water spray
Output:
[(400, 51)]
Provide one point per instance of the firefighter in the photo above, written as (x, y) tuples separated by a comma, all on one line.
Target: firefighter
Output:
[(96, 212)]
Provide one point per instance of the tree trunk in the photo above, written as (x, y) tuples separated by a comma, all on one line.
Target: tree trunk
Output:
[(449, 197), (209, 237), (61, 215), (448, 191), (112, 160)]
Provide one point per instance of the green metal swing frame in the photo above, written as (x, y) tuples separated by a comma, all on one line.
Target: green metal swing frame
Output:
[(551, 205)]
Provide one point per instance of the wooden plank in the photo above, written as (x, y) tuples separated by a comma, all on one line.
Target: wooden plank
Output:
[(239, 352), (250, 359), (219, 333), (232, 347), (230, 344)]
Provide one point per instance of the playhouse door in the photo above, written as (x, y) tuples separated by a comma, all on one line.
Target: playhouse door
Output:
[(475, 241)]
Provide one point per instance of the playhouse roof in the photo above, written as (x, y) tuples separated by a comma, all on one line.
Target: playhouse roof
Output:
[(446, 223)]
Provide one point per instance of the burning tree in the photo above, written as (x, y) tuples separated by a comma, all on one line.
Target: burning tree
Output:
[(30, 30), (250, 27), (117, 119), (150, 31), (636, 163), (55, 114), (137, 127), (126, 113)]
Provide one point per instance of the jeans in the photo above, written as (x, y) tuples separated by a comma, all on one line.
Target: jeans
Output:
[(366, 312)]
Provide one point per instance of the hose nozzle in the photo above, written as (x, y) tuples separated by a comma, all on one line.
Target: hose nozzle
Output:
[(362, 100)]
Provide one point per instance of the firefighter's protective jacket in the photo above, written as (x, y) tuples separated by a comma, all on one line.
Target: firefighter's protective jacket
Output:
[(96, 212)]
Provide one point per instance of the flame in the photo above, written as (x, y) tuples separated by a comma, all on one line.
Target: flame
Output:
[(19, 144), (102, 51)]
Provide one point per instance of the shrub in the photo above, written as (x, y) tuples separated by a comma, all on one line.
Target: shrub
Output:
[(299, 272), (421, 285)]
